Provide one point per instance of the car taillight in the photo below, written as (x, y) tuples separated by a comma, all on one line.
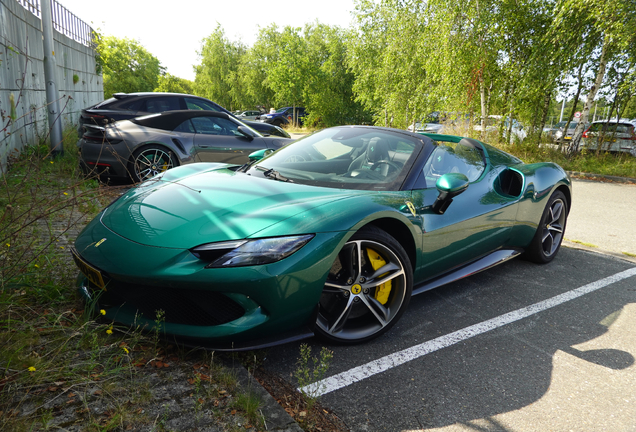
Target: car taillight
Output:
[(99, 139), (585, 133), (93, 138)]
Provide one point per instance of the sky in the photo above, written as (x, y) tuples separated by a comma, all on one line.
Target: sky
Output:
[(172, 31)]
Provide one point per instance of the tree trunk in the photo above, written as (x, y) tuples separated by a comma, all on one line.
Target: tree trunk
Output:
[(484, 111), (546, 106), (600, 74), (574, 104)]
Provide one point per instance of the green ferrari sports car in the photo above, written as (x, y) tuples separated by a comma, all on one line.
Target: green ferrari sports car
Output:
[(330, 235)]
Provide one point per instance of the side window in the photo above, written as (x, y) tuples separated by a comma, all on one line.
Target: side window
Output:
[(186, 126), (161, 104), (450, 158), (134, 105), (215, 126), (200, 104)]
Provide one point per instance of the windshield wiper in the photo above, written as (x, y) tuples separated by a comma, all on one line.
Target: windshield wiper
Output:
[(246, 166), (273, 174)]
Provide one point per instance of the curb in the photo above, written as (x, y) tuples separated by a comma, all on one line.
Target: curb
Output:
[(573, 245), (616, 179), (274, 415)]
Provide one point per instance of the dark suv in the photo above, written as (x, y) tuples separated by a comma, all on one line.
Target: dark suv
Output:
[(283, 116), (125, 106)]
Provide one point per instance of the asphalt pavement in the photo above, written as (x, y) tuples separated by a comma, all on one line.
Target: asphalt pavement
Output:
[(521, 347), (603, 217)]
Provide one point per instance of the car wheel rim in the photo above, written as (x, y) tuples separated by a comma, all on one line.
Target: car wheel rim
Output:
[(151, 162), (350, 307), (553, 228)]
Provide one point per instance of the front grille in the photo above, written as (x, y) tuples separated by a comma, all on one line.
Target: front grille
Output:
[(179, 306)]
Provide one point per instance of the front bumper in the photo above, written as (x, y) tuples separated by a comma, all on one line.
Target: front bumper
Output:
[(231, 308)]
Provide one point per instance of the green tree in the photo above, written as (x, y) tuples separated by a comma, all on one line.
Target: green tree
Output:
[(127, 66), (329, 97), (609, 37), (291, 71), (217, 77), (173, 84), (391, 51)]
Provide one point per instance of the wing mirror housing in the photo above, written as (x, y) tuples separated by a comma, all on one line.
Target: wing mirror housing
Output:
[(449, 186), (246, 132), (259, 154)]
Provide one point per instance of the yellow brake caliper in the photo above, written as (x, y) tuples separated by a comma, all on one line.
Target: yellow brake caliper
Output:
[(382, 292)]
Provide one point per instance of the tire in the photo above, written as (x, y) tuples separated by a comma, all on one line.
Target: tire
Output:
[(547, 240), (351, 309), (149, 161)]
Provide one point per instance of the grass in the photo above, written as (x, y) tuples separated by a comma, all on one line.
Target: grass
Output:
[(583, 243), (591, 162), (61, 366), (608, 164), (300, 129)]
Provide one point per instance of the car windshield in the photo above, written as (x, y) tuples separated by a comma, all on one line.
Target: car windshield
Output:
[(346, 158), (281, 110)]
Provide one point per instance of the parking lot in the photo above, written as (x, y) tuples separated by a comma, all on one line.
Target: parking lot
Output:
[(520, 347)]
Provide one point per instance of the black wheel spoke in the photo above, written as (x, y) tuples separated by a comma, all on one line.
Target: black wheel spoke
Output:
[(392, 268), (339, 322), (334, 288), (379, 311)]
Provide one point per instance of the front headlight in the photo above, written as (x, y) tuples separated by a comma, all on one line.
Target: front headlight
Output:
[(240, 253)]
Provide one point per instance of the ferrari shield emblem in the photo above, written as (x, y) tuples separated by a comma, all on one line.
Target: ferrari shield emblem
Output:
[(411, 207)]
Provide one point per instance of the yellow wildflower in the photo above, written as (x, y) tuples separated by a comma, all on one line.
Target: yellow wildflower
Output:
[(8, 245), (125, 349), (102, 311), (109, 331), (31, 369), (37, 266), (65, 193)]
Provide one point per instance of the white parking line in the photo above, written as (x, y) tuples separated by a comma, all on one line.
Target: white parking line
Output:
[(380, 365)]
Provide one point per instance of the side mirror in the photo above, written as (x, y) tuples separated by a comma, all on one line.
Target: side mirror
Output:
[(246, 132), (449, 186), (259, 154)]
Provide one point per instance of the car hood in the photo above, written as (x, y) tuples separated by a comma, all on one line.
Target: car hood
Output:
[(211, 206)]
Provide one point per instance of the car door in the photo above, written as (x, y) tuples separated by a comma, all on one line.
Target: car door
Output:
[(477, 222), (218, 140)]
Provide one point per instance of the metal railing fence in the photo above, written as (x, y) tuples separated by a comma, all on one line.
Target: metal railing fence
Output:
[(64, 21)]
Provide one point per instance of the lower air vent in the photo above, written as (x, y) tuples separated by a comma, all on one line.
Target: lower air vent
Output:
[(180, 306)]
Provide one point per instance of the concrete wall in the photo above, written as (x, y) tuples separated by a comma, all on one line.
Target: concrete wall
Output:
[(22, 76)]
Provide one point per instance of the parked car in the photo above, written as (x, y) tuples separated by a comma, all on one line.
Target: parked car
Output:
[(494, 121), (124, 106), (611, 135), (432, 123), (248, 115), (556, 132), (329, 235), (283, 116), (143, 147)]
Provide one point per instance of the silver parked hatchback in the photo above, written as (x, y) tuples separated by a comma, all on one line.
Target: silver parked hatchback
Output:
[(611, 135)]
